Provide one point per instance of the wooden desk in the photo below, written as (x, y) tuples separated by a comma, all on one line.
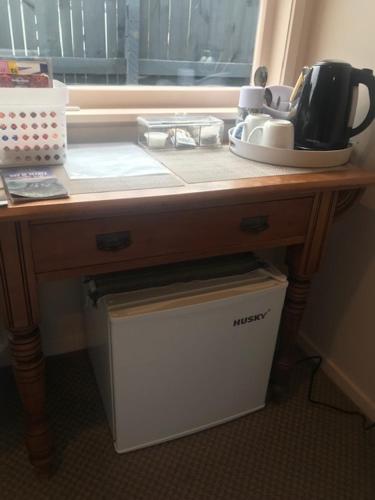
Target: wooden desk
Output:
[(97, 233)]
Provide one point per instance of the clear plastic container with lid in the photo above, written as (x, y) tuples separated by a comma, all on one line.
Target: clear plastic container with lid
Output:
[(180, 131)]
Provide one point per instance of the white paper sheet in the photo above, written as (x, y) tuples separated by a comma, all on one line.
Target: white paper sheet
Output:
[(95, 161)]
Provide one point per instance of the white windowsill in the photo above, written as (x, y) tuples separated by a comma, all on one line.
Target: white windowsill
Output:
[(94, 116)]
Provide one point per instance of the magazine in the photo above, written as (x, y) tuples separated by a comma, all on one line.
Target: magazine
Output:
[(31, 184), (25, 72), (3, 196)]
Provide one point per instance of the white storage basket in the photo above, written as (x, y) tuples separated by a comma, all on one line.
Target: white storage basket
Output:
[(33, 126)]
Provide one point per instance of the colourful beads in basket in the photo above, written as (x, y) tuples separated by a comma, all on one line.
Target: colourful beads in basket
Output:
[(32, 135)]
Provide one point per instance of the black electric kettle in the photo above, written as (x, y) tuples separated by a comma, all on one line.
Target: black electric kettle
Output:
[(326, 109)]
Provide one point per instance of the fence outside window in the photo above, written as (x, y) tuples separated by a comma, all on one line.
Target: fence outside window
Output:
[(135, 41)]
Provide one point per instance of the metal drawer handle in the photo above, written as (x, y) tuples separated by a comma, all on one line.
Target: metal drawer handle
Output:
[(255, 224), (112, 242)]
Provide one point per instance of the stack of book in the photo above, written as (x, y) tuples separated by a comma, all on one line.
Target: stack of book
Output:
[(23, 185), (3, 195)]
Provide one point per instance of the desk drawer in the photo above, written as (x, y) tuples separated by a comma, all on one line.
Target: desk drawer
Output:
[(188, 233)]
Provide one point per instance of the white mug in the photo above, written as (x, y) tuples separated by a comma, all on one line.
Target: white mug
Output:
[(251, 121), (155, 139), (274, 134)]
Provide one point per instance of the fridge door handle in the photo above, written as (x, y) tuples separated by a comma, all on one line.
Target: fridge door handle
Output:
[(255, 224), (112, 242)]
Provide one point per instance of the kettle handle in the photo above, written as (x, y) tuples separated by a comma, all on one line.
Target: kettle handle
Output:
[(366, 77)]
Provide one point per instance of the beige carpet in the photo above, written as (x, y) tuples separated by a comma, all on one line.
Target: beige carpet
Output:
[(291, 451)]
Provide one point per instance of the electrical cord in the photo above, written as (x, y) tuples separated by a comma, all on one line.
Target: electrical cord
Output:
[(314, 371)]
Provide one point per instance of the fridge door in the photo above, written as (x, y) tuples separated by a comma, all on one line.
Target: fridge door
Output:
[(188, 363)]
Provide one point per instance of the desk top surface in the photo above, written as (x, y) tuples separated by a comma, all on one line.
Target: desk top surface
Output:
[(197, 194)]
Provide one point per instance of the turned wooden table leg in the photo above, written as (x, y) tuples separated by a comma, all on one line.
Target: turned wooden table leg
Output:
[(20, 305), (303, 262), (28, 366), (294, 307)]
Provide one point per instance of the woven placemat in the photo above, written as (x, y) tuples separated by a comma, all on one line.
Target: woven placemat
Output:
[(102, 185), (210, 165)]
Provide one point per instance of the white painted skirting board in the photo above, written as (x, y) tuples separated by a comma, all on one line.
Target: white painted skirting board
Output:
[(348, 387)]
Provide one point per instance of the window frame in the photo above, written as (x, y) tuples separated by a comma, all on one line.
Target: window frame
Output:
[(279, 32)]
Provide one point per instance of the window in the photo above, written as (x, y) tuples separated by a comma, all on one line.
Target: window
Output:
[(143, 42)]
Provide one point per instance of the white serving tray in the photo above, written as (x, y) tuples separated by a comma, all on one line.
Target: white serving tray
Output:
[(289, 157)]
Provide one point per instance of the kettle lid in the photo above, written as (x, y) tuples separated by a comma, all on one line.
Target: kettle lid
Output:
[(332, 62)]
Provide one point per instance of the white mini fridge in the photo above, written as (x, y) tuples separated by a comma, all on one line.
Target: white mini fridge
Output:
[(178, 359)]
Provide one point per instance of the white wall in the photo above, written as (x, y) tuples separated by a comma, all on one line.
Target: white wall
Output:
[(340, 321)]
